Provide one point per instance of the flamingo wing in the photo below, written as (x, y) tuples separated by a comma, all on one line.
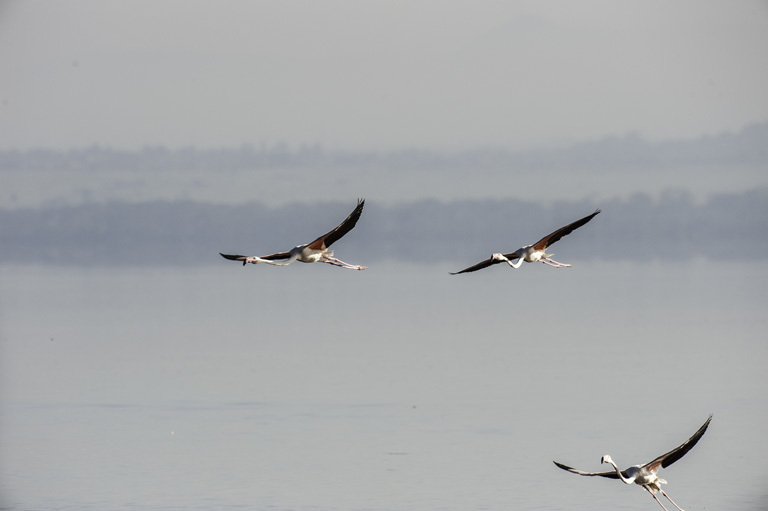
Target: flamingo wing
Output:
[(549, 239), (271, 257), (326, 240), (675, 454), (485, 264), (279, 255), (234, 257), (612, 474)]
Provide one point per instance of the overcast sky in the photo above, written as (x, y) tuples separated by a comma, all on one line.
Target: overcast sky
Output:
[(364, 75)]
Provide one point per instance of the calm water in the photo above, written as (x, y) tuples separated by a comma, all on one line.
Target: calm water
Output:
[(314, 388)]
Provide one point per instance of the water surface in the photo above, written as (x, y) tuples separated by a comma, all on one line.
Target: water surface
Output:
[(401, 387)]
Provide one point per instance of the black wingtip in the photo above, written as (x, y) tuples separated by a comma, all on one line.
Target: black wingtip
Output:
[(232, 257)]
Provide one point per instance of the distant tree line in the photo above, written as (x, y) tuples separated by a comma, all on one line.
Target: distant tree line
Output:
[(726, 227), (748, 147)]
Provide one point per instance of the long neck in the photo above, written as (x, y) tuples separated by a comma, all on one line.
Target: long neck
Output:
[(621, 476), (294, 254), (286, 262), (517, 263)]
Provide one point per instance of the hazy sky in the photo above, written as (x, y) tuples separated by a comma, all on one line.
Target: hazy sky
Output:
[(361, 75)]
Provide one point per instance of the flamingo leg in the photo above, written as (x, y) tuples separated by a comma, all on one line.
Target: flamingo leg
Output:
[(656, 498), (554, 264), (672, 501), (342, 264)]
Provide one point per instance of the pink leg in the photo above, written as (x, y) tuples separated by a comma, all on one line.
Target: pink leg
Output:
[(672, 501), (554, 264), (655, 497), (342, 264)]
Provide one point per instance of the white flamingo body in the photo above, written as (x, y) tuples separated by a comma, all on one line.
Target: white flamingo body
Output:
[(645, 475), (317, 251), (532, 253), (527, 254), (636, 474)]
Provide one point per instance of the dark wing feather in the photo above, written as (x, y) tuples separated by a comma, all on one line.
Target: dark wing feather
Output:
[(485, 264), (675, 454), (344, 227), (612, 474), (478, 266), (232, 257), (549, 239), (279, 255), (271, 257)]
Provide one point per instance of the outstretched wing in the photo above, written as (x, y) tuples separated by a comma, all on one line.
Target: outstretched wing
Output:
[(234, 257), (271, 257), (675, 454), (485, 264), (549, 239), (612, 474), (326, 240)]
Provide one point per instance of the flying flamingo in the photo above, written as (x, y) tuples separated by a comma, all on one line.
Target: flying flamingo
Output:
[(532, 253), (645, 475), (314, 252)]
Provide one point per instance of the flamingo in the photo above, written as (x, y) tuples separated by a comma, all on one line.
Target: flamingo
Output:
[(532, 253), (316, 251), (645, 475)]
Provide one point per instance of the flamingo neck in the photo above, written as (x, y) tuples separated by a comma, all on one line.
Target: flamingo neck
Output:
[(294, 255), (621, 476), (501, 257)]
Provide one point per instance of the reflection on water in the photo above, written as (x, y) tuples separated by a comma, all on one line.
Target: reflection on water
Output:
[(396, 388)]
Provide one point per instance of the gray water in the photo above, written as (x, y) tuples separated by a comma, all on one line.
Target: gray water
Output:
[(401, 387)]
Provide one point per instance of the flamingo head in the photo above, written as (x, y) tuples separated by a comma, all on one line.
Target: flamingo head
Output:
[(606, 459)]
